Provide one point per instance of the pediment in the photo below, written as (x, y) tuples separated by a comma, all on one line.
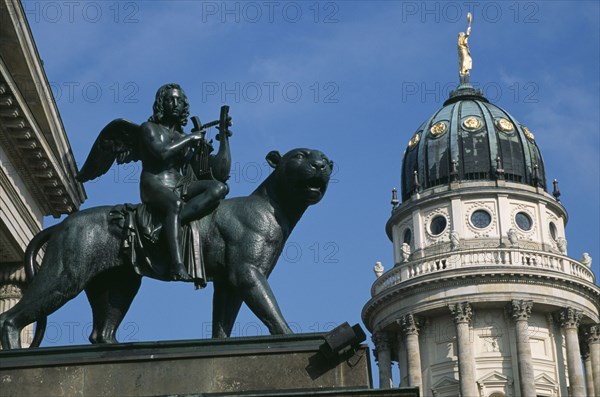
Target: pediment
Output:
[(446, 381), (494, 377), (544, 379)]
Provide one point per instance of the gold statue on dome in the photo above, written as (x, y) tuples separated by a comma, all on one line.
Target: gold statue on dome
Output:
[(465, 63)]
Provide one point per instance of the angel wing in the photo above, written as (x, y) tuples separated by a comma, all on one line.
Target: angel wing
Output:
[(117, 141)]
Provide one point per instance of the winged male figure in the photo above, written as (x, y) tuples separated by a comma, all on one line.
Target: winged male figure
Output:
[(164, 149)]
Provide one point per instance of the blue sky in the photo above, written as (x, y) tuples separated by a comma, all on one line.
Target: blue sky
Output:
[(354, 79)]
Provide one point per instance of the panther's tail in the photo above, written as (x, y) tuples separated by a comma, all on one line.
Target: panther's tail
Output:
[(30, 269)]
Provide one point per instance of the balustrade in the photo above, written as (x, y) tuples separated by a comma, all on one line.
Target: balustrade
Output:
[(482, 257)]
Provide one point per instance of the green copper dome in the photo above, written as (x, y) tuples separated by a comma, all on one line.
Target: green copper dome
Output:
[(470, 139)]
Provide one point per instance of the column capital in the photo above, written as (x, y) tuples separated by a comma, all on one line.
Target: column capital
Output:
[(585, 350), (410, 324), (569, 318), (381, 340), (520, 309), (11, 290), (461, 312), (591, 334)]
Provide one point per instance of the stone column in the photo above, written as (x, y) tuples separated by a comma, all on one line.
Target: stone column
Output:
[(593, 340), (520, 311), (383, 355), (587, 366), (569, 321), (12, 285), (410, 330), (462, 314)]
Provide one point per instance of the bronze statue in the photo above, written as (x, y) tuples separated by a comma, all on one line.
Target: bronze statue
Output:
[(465, 63), (241, 241), (163, 148)]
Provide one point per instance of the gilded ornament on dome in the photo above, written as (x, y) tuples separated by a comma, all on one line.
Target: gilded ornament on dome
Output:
[(528, 133), (438, 128), (414, 141), (505, 125), (472, 123)]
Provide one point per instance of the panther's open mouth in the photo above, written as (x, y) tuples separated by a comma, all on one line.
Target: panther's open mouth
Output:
[(314, 188)]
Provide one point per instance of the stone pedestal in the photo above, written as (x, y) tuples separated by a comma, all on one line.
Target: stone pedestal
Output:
[(235, 365)]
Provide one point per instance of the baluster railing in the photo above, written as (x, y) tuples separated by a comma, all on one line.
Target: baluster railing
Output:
[(482, 257)]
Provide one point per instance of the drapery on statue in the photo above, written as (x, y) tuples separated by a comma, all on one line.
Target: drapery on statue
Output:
[(104, 251), (465, 63)]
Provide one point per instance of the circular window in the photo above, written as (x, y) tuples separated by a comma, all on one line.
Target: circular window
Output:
[(523, 221), (553, 231), (438, 225), (481, 219), (407, 236)]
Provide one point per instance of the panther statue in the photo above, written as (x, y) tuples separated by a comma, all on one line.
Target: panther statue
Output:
[(242, 240)]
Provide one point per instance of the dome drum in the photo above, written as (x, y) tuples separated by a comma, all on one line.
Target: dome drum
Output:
[(480, 214)]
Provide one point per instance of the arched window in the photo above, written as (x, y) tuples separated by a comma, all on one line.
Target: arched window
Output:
[(407, 236)]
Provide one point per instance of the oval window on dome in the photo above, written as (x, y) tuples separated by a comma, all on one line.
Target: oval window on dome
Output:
[(523, 221), (481, 219), (438, 225), (407, 236), (553, 231)]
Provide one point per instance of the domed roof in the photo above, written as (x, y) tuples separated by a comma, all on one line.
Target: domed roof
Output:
[(470, 138)]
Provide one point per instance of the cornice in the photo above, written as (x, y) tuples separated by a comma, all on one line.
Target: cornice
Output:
[(32, 133), (469, 277)]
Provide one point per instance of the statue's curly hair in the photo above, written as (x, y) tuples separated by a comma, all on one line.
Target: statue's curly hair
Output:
[(158, 106)]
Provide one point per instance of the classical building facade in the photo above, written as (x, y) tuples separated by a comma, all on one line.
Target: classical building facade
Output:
[(483, 299), (37, 167)]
